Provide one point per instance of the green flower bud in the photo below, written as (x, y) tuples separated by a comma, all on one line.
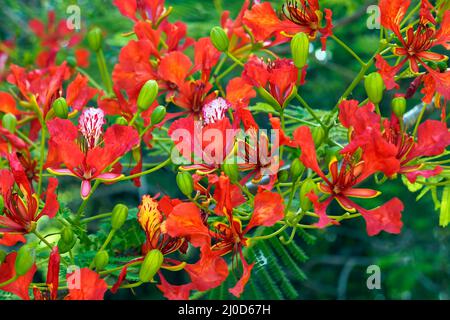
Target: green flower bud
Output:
[(442, 66), (2, 256), (147, 95), (300, 49), (71, 61), (152, 262), (307, 186), (158, 115), (318, 135), (297, 168), (67, 235), (119, 216), (374, 86), (283, 176), (66, 246), (9, 122), (101, 260), (95, 39), (60, 108), (268, 98), (232, 171), (2, 204), (122, 121), (399, 106), (219, 39), (185, 183), (24, 260)]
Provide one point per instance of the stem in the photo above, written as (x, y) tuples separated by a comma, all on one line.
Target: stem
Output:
[(107, 241), (270, 235), (85, 201), (348, 49), (236, 60), (283, 129), (26, 139), (143, 173), (310, 110), (91, 80), (104, 71), (102, 273), (42, 156), (422, 112), (99, 216)]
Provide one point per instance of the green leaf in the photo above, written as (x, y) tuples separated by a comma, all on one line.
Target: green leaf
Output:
[(262, 107), (444, 217)]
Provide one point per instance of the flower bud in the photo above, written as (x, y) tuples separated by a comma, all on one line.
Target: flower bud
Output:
[(60, 108), (9, 122), (66, 246), (442, 66), (219, 39), (399, 106), (147, 95), (95, 38), (307, 186), (268, 98), (2, 204), (119, 216), (318, 135), (185, 183), (232, 171), (24, 260), (67, 235), (101, 260), (121, 121), (296, 169), (2, 256), (283, 176), (374, 86), (71, 61), (152, 262), (158, 115), (300, 49)]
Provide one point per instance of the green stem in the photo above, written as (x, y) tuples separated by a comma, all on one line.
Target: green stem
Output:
[(102, 273), (310, 110), (143, 173), (91, 80), (104, 71), (42, 157), (99, 216), (348, 49), (268, 236), (85, 201), (26, 139), (103, 247), (236, 60), (422, 112)]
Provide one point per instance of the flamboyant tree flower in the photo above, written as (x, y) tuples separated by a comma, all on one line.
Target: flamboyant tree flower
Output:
[(298, 16), (415, 47), (87, 152), (151, 10), (85, 284), (53, 35), (342, 185), (21, 285), (21, 211), (380, 140), (52, 281), (229, 237), (278, 77)]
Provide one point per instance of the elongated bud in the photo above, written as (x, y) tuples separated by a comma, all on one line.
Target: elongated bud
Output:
[(297, 168), (60, 108), (2, 256), (9, 122), (95, 39), (307, 186), (219, 39), (24, 260), (232, 171), (318, 135), (67, 235), (185, 183), (152, 262), (283, 176), (64, 246), (374, 86), (119, 216), (269, 98), (158, 115), (300, 49), (147, 95), (101, 260), (399, 106), (121, 121)]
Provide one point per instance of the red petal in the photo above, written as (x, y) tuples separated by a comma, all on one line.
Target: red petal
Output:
[(305, 140), (175, 67), (21, 285), (268, 210), (85, 284), (79, 93), (8, 104), (174, 292), (11, 239), (53, 273), (385, 218), (262, 20), (239, 287)]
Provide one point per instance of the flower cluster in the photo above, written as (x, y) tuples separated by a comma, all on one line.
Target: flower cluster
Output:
[(242, 179)]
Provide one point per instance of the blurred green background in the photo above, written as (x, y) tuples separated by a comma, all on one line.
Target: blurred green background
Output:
[(414, 264)]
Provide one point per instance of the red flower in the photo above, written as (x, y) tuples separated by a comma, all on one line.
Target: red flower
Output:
[(299, 16), (87, 159), (21, 210), (79, 93), (52, 278), (141, 9), (415, 48), (8, 271), (9, 142), (239, 39), (10, 239), (341, 186), (85, 284), (278, 77), (389, 148)]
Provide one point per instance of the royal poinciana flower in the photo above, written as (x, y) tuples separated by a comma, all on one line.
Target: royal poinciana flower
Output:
[(19, 286), (380, 140), (343, 185), (298, 16), (416, 46), (278, 77), (21, 203), (151, 10), (87, 152), (85, 284)]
